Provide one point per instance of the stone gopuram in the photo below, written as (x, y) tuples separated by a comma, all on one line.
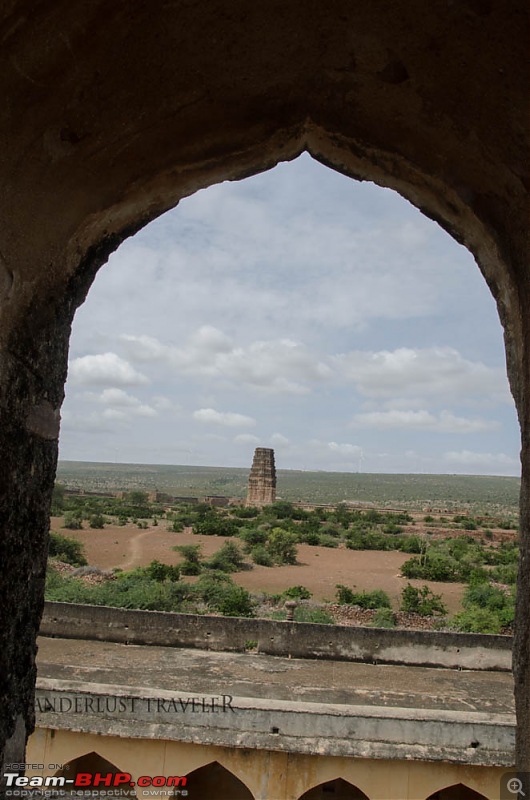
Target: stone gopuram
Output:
[(262, 478)]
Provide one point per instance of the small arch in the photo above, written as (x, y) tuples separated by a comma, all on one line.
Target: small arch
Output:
[(90, 763), (216, 783), (338, 789), (458, 791)]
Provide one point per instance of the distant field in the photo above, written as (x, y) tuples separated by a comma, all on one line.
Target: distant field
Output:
[(473, 492)]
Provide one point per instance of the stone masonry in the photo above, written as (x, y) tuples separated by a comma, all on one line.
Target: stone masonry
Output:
[(262, 478)]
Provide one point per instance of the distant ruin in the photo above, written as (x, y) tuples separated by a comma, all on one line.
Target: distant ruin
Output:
[(262, 478)]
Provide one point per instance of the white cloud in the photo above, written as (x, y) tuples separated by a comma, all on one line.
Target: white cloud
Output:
[(428, 372), (123, 406), (104, 369), (487, 460), (444, 422), (279, 440), (117, 397), (246, 438), (228, 418), (280, 366)]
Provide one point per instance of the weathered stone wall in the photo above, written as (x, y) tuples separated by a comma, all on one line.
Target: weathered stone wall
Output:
[(262, 478), (296, 639)]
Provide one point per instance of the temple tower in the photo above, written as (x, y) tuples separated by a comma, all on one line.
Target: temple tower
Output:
[(262, 478)]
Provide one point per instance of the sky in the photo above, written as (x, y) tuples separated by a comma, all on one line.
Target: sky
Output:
[(297, 309)]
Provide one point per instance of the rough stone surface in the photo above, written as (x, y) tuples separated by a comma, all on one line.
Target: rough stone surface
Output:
[(297, 639), (348, 709), (113, 112), (262, 478)]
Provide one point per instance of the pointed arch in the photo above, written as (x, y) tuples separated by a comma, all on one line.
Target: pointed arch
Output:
[(458, 791), (94, 762), (216, 783), (337, 789)]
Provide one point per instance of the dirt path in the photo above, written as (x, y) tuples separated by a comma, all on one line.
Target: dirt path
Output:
[(318, 568), (136, 551)]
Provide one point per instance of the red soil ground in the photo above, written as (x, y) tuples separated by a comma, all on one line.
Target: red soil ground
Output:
[(319, 568)]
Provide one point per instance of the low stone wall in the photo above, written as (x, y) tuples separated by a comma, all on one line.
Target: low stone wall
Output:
[(294, 639)]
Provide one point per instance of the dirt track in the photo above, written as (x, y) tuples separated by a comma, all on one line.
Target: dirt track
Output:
[(319, 568)]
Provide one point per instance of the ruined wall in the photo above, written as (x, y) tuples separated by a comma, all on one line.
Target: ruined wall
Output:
[(262, 478), (296, 639)]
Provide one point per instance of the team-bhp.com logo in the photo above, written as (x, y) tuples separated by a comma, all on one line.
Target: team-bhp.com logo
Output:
[(94, 780)]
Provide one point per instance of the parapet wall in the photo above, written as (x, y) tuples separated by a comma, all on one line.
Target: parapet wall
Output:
[(294, 639)]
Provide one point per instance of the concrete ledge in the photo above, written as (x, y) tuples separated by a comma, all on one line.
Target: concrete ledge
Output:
[(324, 729), (295, 639)]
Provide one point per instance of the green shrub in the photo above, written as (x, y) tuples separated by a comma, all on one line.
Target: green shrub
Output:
[(282, 546), (383, 618), (68, 550), (192, 558), (73, 520), (297, 593), (422, 601), (477, 620), (411, 544), (261, 556), (223, 595), (315, 615), (228, 559), (214, 525), (162, 572), (311, 537), (374, 599), (96, 521), (245, 512), (252, 537), (327, 541)]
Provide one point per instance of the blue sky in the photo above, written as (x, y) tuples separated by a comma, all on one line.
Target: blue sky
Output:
[(297, 309)]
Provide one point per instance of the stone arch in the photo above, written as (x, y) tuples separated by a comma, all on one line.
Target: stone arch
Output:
[(458, 791), (217, 782), (151, 102), (338, 789), (94, 762)]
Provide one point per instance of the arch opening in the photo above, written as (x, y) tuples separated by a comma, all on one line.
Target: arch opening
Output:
[(458, 791), (91, 764), (337, 789), (217, 782), (427, 116)]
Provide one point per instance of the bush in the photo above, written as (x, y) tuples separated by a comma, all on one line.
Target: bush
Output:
[(315, 615), (282, 546), (228, 559), (253, 537), (192, 558), (68, 550), (327, 541), (477, 620), (214, 525), (162, 572), (297, 593), (383, 618), (221, 594), (73, 520), (261, 556), (96, 521), (411, 544), (375, 599), (422, 601)]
